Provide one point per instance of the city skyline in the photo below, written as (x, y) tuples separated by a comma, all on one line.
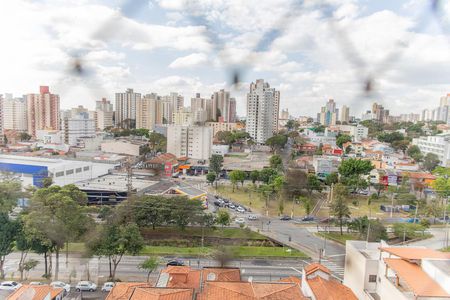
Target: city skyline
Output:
[(183, 59)]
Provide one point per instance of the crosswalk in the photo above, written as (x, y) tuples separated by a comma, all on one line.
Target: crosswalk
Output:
[(338, 271)]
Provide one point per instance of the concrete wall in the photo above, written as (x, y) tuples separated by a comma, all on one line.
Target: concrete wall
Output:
[(121, 147)]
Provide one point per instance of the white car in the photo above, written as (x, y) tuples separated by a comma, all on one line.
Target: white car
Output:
[(252, 217), (239, 221), (62, 285), (86, 286), (107, 286), (240, 209), (10, 285)]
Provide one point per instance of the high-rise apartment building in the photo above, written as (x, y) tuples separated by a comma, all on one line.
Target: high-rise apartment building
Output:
[(42, 111), (14, 113), (103, 114), (425, 116), (381, 114), (284, 114), (126, 108), (183, 116), (201, 108), (445, 100), (146, 114), (170, 104), (190, 141), (345, 114), (223, 108), (328, 114), (1, 118), (263, 104)]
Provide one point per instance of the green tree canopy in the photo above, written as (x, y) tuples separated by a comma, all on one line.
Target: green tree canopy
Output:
[(276, 162), (342, 139), (211, 177), (223, 217), (431, 161), (266, 175), (415, 153), (8, 231), (338, 207), (355, 166), (237, 176), (277, 141), (149, 265), (10, 192), (254, 176), (215, 163)]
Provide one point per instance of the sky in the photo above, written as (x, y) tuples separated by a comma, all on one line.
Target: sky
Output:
[(309, 50)]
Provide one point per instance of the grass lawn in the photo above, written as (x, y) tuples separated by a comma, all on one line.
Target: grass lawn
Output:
[(337, 237), (447, 249), (233, 233), (248, 197), (239, 251)]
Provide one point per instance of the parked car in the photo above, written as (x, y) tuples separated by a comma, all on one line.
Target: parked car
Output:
[(240, 209), (10, 285), (62, 285), (252, 217), (285, 218), (239, 220), (107, 286), (413, 220), (175, 262), (307, 219), (86, 286), (218, 203), (231, 206)]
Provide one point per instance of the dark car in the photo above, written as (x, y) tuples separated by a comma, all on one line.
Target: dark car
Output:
[(218, 203), (308, 218), (175, 262), (285, 218)]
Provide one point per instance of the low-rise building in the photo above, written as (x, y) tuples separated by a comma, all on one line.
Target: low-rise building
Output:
[(37, 292), (122, 146), (438, 144), (221, 126), (321, 138), (378, 271), (325, 165)]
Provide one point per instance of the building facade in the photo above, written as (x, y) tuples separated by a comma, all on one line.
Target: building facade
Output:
[(103, 114), (263, 104), (78, 126), (345, 114), (189, 141), (14, 113), (221, 126), (146, 112), (42, 111), (438, 144), (126, 108)]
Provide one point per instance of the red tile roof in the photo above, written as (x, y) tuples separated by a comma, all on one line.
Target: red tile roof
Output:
[(311, 268), (162, 294), (330, 289), (34, 292), (124, 290), (183, 277), (250, 291), (221, 274), (416, 279)]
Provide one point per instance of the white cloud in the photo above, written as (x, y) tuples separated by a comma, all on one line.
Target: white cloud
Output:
[(189, 61)]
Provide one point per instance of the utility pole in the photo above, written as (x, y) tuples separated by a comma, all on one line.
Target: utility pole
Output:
[(292, 211), (392, 205), (129, 170)]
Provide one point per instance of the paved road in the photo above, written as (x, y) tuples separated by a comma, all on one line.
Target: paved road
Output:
[(439, 240)]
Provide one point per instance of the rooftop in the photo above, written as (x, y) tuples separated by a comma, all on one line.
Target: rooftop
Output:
[(114, 182), (39, 161), (415, 253), (330, 289), (421, 284), (34, 292)]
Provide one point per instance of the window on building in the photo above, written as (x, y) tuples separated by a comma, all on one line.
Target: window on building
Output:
[(372, 278), (78, 170), (68, 172), (86, 168), (59, 174)]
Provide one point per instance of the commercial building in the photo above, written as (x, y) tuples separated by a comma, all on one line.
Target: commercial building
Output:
[(126, 108), (42, 111), (438, 144), (263, 104), (78, 126), (14, 113), (189, 141), (103, 114), (221, 126), (378, 271), (127, 147), (33, 169), (146, 112)]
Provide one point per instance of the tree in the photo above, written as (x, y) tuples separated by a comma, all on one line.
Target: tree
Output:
[(113, 241), (390, 137), (157, 142), (313, 184), (276, 162), (237, 176), (23, 244), (215, 163), (430, 161), (254, 176), (307, 204), (267, 174), (338, 206), (342, 139), (25, 136), (211, 177), (223, 255), (8, 230), (276, 142), (374, 228), (10, 192), (291, 124), (355, 166), (415, 153), (149, 265), (318, 129), (29, 265), (295, 182), (55, 216), (400, 145), (46, 182), (223, 218), (332, 178), (184, 211)]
